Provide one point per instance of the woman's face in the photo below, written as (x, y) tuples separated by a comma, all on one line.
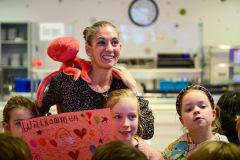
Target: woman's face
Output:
[(105, 48)]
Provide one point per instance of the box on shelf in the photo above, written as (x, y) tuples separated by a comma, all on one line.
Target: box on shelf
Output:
[(173, 86), (24, 84), (166, 85), (180, 84)]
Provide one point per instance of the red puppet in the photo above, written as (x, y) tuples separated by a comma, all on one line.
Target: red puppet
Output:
[(64, 49)]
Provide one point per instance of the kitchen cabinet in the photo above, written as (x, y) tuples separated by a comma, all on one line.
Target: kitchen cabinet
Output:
[(14, 53)]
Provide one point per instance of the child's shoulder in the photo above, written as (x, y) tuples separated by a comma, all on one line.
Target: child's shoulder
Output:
[(219, 137), (178, 147), (142, 143), (148, 150)]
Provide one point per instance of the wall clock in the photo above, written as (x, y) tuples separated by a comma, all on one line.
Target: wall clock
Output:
[(143, 12)]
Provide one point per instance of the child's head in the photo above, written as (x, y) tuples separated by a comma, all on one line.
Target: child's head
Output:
[(12, 147), (18, 108), (229, 104), (219, 150), (125, 114), (238, 126), (195, 106), (118, 150)]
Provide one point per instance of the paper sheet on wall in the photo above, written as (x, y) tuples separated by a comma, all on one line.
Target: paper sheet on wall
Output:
[(68, 136), (50, 31)]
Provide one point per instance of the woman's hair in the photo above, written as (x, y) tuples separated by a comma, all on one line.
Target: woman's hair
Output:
[(114, 97), (229, 108), (89, 32), (118, 150), (18, 102), (14, 148), (219, 150), (216, 125)]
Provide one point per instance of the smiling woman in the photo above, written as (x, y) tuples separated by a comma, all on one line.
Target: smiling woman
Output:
[(103, 46)]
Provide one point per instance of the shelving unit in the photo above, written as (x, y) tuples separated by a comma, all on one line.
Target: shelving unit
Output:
[(222, 66), (14, 52)]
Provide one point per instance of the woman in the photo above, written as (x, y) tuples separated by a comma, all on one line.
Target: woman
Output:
[(103, 47)]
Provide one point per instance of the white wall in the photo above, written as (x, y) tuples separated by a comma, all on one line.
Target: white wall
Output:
[(221, 20)]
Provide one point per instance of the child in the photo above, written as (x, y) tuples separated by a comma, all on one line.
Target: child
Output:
[(219, 150), (18, 108), (195, 107), (126, 121), (229, 108), (12, 147), (238, 126), (118, 150)]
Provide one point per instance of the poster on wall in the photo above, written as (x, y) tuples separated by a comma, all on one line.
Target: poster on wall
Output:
[(68, 136), (50, 31)]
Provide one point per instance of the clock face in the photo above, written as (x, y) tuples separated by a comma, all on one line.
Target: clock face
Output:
[(143, 12)]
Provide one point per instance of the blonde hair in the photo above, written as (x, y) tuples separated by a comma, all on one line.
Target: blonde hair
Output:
[(118, 150), (219, 150), (238, 123), (14, 148), (18, 102), (114, 97), (89, 32)]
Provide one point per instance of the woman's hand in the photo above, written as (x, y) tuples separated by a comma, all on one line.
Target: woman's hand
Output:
[(127, 78)]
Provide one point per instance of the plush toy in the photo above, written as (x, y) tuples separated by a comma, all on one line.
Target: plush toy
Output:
[(64, 49)]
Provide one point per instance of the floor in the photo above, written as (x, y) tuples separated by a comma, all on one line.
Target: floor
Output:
[(167, 126)]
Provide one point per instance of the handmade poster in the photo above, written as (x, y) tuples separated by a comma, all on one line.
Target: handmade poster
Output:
[(68, 136)]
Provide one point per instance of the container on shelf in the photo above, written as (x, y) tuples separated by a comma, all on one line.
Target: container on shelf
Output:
[(23, 60), (12, 33), (180, 84), (24, 84), (166, 85), (3, 34), (15, 59), (5, 60)]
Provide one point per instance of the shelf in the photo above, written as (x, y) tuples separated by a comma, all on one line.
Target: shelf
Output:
[(14, 67), (156, 73), (224, 82), (150, 73), (14, 42), (224, 64)]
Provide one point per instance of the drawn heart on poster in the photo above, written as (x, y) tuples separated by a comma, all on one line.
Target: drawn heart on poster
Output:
[(80, 133), (74, 155), (92, 148), (53, 142)]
